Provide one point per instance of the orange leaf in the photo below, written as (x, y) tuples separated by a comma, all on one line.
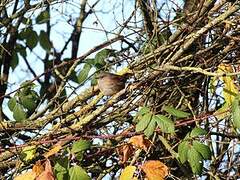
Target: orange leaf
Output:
[(47, 174), (127, 173), (38, 168), (26, 176), (155, 170), (53, 151), (140, 142)]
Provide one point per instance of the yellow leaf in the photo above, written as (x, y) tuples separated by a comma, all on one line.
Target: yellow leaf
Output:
[(222, 112), (155, 170), (53, 151), (127, 173), (29, 153), (230, 89), (26, 176)]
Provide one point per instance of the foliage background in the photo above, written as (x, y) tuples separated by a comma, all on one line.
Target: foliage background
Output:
[(182, 94)]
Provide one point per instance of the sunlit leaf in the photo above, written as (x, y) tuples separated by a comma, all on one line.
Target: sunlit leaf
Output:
[(155, 170), (143, 122), (80, 145), (26, 176), (12, 103), (127, 173), (18, 113), (77, 173), (236, 112), (230, 89), (53, 151), (28, 153)]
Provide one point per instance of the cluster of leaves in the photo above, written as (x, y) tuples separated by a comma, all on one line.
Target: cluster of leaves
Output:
[(148, 121), (63, 168), (24, 102), (31, 38), (192, 151)]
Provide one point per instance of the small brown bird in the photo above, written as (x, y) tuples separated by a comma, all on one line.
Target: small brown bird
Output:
[(110, 84)]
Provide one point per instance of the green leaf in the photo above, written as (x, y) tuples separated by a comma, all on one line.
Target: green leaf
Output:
[(143, 122), (164, 123), (82, 76), (236, 112), (24, 33), (101, 56), (28, 102), (32, 39), (203, 149), (195, 160), (80, 145), (61, 168), (94, 80), (43, 17), (176, 112), (144, 110), (18, 113), (73, 77), (150, 128), (14, 61), (27, 21), (77, 173), (183, 148), (21, 50), (12, 103), (198, 132), (44, 41)]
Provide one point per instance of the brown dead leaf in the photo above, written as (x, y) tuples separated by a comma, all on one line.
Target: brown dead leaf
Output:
[(47, 174), (53, 151), (38, 168), (140, 142), (125, 152), (155, 170)]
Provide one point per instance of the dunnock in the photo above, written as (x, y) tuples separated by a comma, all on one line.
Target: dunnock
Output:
[(110, 84)]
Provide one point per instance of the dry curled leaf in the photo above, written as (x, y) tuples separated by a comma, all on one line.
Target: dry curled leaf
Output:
[(155, 170), (125, 152), (140, 142), (47, 174)]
